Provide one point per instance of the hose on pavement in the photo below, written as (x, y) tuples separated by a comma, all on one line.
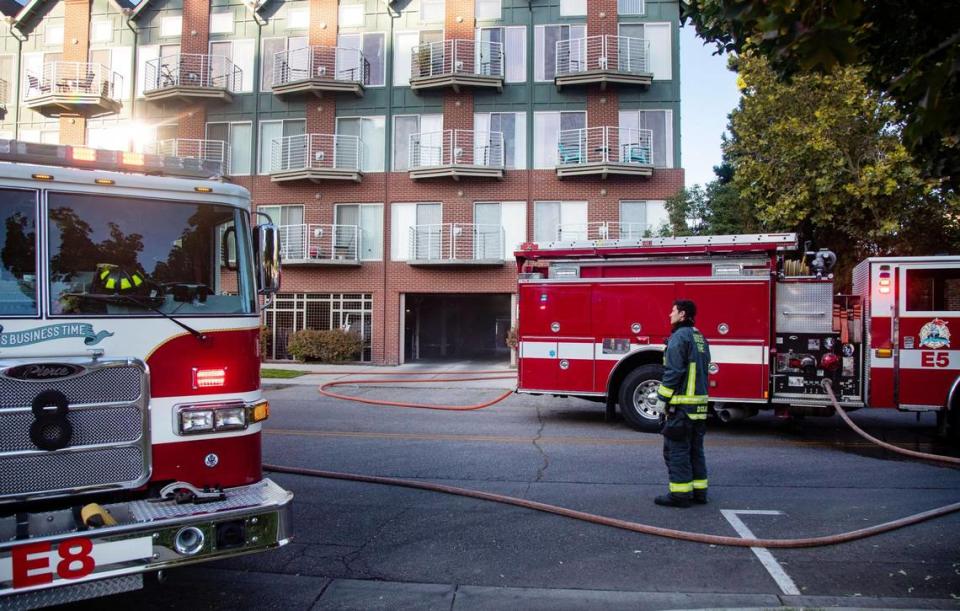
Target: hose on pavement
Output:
[(472, 376), (695, 537)]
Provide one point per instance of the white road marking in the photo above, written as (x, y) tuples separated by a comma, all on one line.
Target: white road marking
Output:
[(766, 558)]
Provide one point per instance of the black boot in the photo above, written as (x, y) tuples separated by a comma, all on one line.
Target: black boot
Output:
[(700, 497), (672, 500)]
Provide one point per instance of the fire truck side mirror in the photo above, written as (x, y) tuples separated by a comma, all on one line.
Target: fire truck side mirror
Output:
[(267, 244)]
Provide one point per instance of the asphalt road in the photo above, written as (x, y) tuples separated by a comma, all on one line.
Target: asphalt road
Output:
[(367, 546)]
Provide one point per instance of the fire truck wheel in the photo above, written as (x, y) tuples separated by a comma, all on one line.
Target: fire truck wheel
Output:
[(635, 403)]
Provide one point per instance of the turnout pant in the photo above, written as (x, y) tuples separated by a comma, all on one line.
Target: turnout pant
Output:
[(683, 453)]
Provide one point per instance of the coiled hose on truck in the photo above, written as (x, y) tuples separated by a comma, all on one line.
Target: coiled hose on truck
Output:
[(637, 527)]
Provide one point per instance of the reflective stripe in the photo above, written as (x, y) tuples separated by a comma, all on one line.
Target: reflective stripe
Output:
[(699, 484), (664, 391), (697, 416), (689, 400), (685, 487), (691, 379)]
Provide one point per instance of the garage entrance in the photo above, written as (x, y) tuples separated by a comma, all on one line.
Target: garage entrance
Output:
[(456, 327)]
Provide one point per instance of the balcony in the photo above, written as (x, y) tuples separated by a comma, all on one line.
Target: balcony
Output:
[(601, 151), (191, 77), (320, 244), (211, 156), (602, 60), (456, 244), (602, 231), (319, 69), (315, 157), (456, 153), (73, 89), (456, 64)]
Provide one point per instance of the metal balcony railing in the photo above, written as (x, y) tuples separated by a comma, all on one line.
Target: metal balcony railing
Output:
[(72, 78), (606, 230), (315, 152), (451, 57), (3, 94), (192, 70), (319, 243), (457, 242), (320, 63), (604, 145), (215, 153), (605, 53), (456, 147)]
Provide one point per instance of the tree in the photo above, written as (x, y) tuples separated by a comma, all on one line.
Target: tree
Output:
[(713, 209), (821, 155), (910, 51)]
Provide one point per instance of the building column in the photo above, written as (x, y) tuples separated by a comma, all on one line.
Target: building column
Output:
[(76, 48), (602, 106), (194, 39), (322, 114), (459, 24)]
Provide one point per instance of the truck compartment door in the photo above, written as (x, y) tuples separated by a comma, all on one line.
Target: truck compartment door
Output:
[(556, 340)]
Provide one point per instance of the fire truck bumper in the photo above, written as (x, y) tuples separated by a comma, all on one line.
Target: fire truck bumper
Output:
[(45, 559)]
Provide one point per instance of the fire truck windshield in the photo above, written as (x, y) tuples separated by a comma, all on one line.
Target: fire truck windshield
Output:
[(126, 256)]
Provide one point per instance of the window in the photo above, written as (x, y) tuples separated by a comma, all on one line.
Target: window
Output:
[(546, 135), (514, 58), (404, 43), (422, 223), (660, 122), (239, 139), (640, 219), (116, 59), (553, 221), (47, 134), (658, 35), (272, 130), (296, 62), (53, 33), (501, 229), (371, 45), (110, 134), (432, 11), (298, 18), (351, 16), (405, 126), (370, 130), (101, 31), (573, 8), (221, 22), (291, 312), (241, 53), (283, 216), (18, 243), (171, 25), (545, 47), (933, 290), (369, 219), (6, 74), (487, 10), (630, 7), (513, 126)]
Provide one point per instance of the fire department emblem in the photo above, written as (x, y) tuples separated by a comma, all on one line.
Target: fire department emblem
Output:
[(935, 334)]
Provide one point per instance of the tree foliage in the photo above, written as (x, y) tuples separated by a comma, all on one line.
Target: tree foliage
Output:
[(712, 209), (822, 155), (909, 50)]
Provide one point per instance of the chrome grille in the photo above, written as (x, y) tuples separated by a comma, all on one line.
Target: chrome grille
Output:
[(107, 385), (109, 447), (28, 474)]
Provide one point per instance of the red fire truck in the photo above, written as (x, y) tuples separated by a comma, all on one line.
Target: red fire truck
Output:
[(130, 400), (593, 323)]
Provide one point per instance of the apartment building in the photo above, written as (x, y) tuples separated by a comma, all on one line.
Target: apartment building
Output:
[(405, 147)]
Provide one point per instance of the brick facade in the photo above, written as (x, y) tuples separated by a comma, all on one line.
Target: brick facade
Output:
[(387, 280)]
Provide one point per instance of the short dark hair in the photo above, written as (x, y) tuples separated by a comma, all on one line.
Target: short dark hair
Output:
[(687, 307)]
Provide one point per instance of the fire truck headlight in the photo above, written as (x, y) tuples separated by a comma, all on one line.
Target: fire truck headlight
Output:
[(196, 421), (230, 419)]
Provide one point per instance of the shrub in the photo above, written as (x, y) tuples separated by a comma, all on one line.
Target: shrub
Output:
[(333, 346), (513, 339)]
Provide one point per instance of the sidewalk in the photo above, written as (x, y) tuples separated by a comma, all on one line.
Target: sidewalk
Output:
[(316, 374)]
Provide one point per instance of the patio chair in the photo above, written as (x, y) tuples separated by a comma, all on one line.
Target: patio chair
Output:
[(636, 154), (569, 154)]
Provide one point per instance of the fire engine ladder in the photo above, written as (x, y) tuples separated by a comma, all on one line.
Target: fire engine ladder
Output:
[(752, 242)]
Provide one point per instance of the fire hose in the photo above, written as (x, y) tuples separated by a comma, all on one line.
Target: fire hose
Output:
[(637, 527)]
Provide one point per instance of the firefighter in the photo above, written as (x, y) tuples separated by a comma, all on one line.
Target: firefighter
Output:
[(682, 403)]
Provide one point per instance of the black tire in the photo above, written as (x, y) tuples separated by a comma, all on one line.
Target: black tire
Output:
[(639, 414)]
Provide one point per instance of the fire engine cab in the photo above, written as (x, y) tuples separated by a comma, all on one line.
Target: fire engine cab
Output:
[(593, 323), (130, 400)]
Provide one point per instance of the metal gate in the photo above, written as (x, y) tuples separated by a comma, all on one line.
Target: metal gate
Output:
[(292, 312)]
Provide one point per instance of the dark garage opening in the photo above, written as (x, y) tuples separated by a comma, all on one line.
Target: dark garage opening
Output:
[(456, 327)]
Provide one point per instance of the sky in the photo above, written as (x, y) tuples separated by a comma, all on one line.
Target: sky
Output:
[(708, 92)]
